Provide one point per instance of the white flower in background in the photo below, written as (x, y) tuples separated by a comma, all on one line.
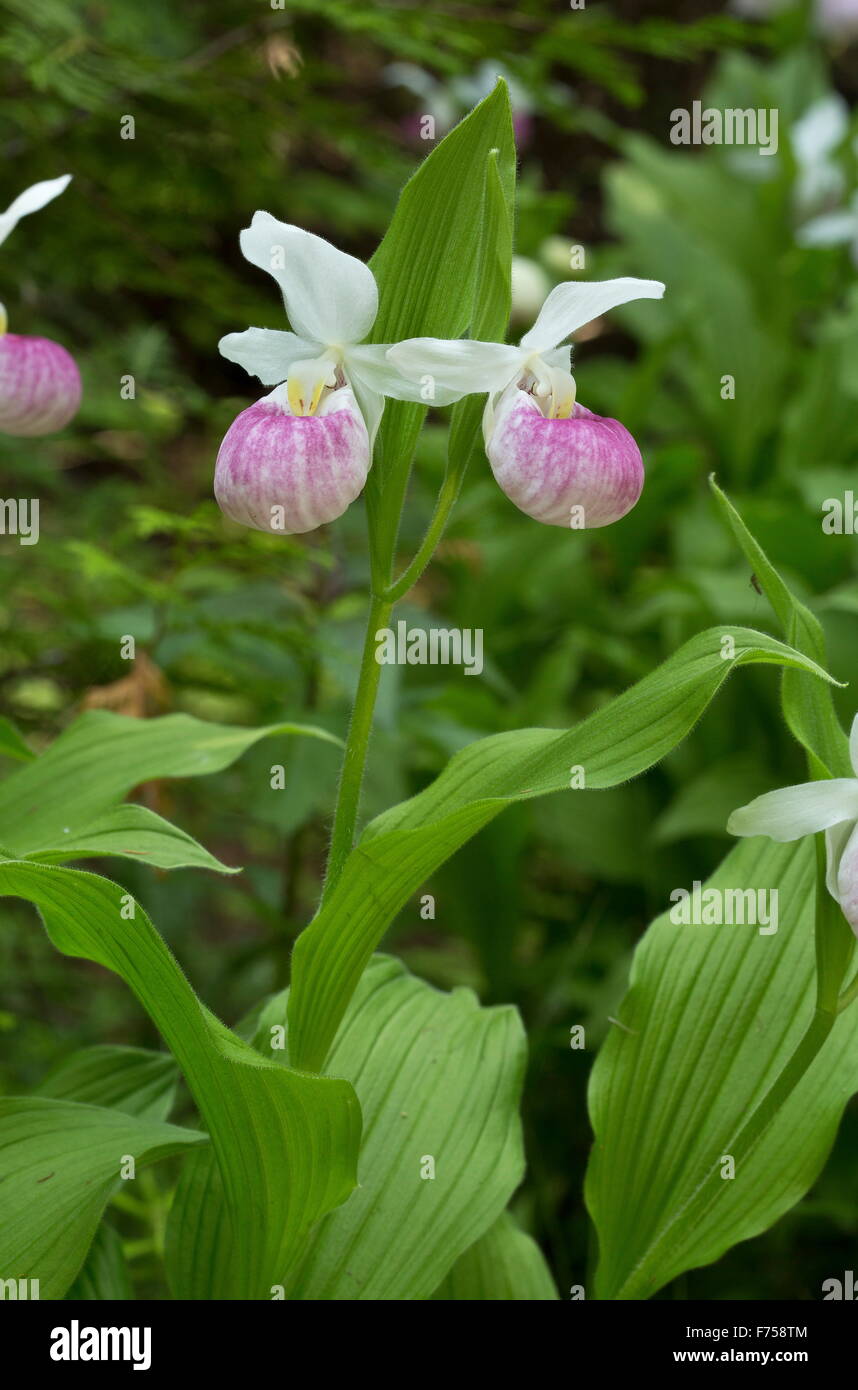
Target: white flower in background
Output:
[(835, 19), (833, 229), (558, 462), (40, 386), (815, 136), (300, 456), (793, 812), (446, 101), (838, 19), (529, 284)]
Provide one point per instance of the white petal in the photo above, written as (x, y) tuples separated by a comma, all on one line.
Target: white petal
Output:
[(371, 407), (847, 880), (820, 129), (266, 352), (330, 297), (853, 744), (828, 230), (370, 363), (31, 200), (836, 839), (572, 304), (460, 367), (792, 812)]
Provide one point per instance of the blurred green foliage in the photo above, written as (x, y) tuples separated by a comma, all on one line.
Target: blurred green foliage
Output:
[(307, 111)]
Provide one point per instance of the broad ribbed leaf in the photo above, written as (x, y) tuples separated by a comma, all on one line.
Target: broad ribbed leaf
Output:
[(505, 1265), (808, 706), (403, 846), (60, 1162), (101, 758), (12, 744), (104, 1276), (712, 1015), (286, 1143), (133, 832), (427, 268), (131, 1079), (438, 1078)]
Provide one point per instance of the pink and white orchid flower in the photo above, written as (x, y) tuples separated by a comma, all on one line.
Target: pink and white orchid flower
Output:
[(300, 456), (793, 812), (40, 386), (557, 461)]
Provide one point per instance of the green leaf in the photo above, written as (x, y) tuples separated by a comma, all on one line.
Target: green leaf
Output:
[(102, 757), (104, 1276), (60, 1163), (505, 1264), (808, 705), (427, 264), (12, 744), (133, 832), (436, 1076), (199, 1248), (402, 847), (130, 1079), (489, 317), (427, 268), (285, 1143), (712, 1016)]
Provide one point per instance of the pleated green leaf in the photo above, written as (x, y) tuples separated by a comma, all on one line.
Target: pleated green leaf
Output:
[(428, 266), (12, 744), (285, 1143), (104, 1277), (101, 758), (131, 1079), (59, 1163), (133, 832), (808, 705), (712, 1015), (400, 848), (504, 1265), (439, 1081)]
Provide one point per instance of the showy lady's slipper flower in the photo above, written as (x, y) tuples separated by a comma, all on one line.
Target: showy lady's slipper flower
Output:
[(300, 456), (557, 461), (39, 381), (832, 806)]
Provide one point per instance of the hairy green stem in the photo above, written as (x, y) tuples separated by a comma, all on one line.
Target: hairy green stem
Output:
[(354, 760), (443, 507)]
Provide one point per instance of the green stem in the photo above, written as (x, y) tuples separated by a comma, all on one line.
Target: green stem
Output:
[(354, 760), (443, 507), (849, 995)]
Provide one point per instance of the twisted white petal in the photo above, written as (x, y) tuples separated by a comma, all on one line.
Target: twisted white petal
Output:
[(574, 303), (331, 298), (31, 200)]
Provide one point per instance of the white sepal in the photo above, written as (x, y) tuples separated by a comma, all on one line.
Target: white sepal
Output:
[(331, 298), (791, 812), (267, 353), (574, 303), (459, 367), (31, 200)]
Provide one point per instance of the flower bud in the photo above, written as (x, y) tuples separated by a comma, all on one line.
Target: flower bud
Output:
[(40, 386), (288, 473), (582, 471)]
